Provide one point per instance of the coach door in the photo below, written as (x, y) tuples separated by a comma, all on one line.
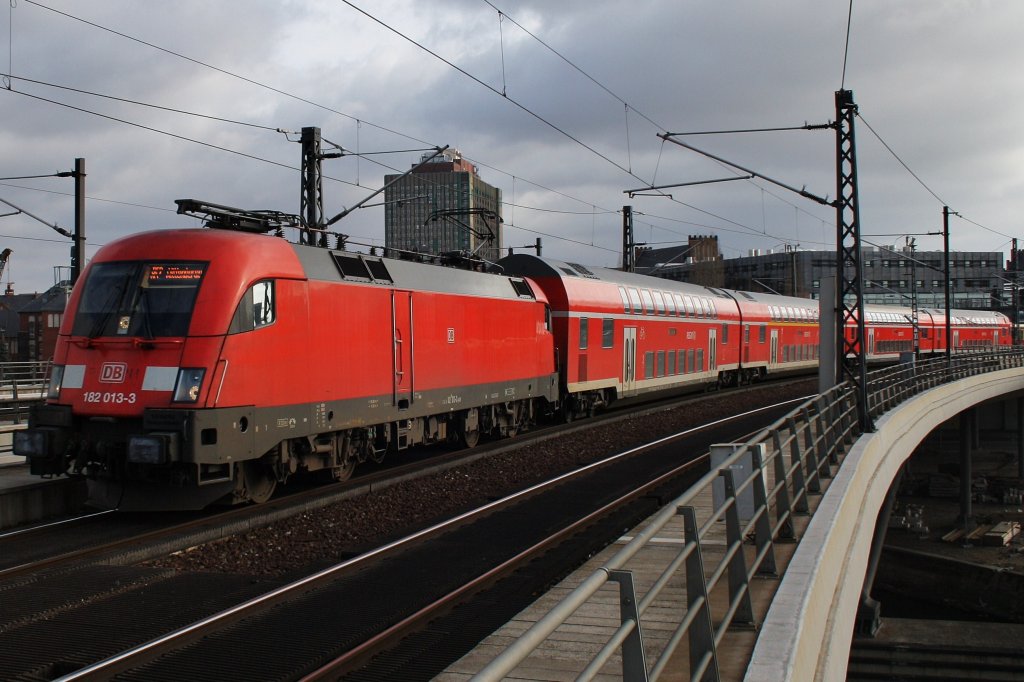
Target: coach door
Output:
[(773, 351), (628, 360), (956, 339), (871, 342), (401, 325), (712, 347)]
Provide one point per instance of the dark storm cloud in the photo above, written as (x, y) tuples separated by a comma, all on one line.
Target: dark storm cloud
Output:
[(936, 78)]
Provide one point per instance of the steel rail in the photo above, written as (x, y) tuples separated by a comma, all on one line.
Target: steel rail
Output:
[(826, 425), (155, 647)]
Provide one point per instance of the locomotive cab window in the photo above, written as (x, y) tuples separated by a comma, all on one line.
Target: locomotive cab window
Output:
[(132, 298), (256, 309)]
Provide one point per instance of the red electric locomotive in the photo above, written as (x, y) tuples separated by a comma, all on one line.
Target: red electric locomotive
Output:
[(204, 365)]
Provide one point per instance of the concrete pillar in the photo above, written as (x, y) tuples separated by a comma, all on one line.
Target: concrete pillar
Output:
[(1020, 437), (975, 430), (967, 419), (869, 610)]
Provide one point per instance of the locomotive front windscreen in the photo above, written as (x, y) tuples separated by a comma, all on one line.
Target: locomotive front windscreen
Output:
[(147, 299)]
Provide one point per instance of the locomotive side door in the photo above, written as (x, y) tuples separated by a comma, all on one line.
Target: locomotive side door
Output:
[(628, 360), (402, 348)]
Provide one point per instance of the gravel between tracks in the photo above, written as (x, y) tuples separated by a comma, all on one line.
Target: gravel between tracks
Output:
[(333, 533)]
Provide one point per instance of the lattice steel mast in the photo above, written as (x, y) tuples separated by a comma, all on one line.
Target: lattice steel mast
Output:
[(851, 361)]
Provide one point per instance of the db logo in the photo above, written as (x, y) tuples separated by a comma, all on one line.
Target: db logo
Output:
[(113, 372)]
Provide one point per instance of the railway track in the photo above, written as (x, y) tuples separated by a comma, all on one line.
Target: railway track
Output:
[(123, 538), (352, 624)]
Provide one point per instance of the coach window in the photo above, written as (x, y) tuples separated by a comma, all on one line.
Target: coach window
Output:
[(762, 331), (583, 332), (670, 306), (634, 299), (625, 299), (256, 309), (679, 305), (648, 301), (746, 333), (659, 303), (725, 334), (607, 333)]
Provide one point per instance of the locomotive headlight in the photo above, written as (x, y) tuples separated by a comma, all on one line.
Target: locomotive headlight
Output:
[(153, 448), (56, 379), (31, 443), (190, 380)]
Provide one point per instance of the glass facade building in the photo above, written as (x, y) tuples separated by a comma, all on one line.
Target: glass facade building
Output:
[(443, 207)]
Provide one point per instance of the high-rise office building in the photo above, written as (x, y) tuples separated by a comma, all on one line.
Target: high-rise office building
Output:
[(443, 207)]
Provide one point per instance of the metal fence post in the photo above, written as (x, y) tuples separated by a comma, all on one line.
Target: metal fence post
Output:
[(738, 582), (634, 664), (763, 524), (703, 655), (796, 457), (783, 506)]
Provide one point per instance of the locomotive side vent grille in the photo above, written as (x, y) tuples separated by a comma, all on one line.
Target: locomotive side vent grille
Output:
[(355, 266), (378, 270), (522, 287), (582, 270)]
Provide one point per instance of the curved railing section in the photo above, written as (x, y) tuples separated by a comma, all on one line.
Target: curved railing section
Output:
[(789, 462)]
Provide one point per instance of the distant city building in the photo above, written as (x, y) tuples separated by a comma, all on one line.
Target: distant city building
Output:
[(700, 258), (39, 323), (443, 207), (891, 275)]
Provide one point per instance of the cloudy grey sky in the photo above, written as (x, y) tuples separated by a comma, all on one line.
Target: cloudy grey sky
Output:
[(939, 81)]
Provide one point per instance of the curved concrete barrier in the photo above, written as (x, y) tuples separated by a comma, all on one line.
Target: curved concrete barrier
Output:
[(807, 632)]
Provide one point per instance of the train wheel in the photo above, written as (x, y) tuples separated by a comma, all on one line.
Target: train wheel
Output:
[(568, 410), (344, 472), (260, 481), (469, 438), (469, 429)]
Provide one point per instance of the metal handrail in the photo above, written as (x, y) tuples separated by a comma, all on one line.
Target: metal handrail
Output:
[(21, 385), (802, 448)]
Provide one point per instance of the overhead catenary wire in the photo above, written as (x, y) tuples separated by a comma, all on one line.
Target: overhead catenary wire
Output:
[(380, 127), (574, 66), (279, 91), (916, 177), (846, 49), (12, 77), (514, 102)]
